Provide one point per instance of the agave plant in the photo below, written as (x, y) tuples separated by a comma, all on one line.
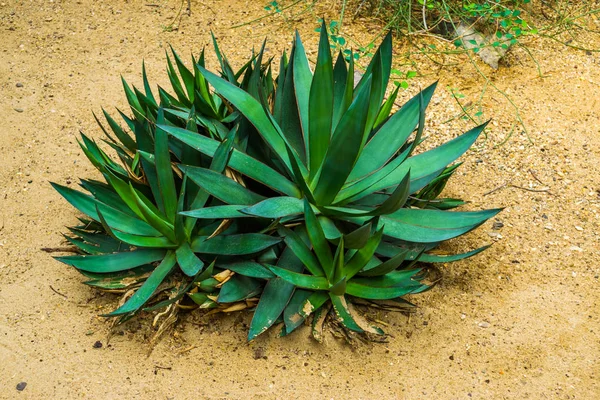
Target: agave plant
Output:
[(296, 194)]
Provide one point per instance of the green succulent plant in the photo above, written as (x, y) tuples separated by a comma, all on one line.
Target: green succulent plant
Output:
[(291, 195)]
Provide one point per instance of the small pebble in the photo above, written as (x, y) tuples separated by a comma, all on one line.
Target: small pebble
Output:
[(484, 324), (21, 386), (497, 225), (259, 353), (19, 110), (97, 345), (19, 84)]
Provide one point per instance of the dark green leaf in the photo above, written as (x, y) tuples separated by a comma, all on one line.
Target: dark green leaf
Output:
[(358, 238), (301, 250), (301, 280), (123, 280), (239, 287), (343, 151), (189, 263), (387, 266), (426, 165), (114, 262), (291, 314), (360, 259), (302, 83), (320, 106), (115, 218), (150, 215), (220, 186), (275, 296), (391, 136), (217, 212), (239, 161), (289, 119), (145, 292), (252, 110), (340, 77), (249, 268), (386, 108), (276, 207), (379, 293), (232, 245), (340, 307), (164, 172), (318, 240)]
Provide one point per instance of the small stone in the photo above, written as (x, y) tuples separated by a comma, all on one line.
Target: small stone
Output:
[(451, 357), (484, 324), (19, 110), (578, 228), (497, 225), (21, 386), (575, 248), (97, 345), (259, 353), (19, 84)]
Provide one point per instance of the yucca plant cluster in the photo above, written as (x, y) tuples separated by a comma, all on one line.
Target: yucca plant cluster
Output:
[(296, 196)]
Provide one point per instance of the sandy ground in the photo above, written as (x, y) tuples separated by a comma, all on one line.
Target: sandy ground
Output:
[(517, 322)]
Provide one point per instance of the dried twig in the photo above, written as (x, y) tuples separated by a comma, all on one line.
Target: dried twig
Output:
[(157, 367), (188, 349), (546, 190), (535, 177), (57, 292), (66, 249), (495, 189), (543, 190)]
